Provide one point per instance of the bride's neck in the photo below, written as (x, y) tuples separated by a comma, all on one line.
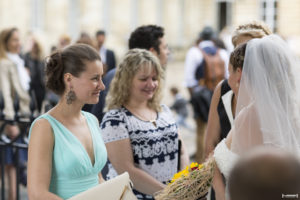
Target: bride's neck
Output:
[(233, 105)]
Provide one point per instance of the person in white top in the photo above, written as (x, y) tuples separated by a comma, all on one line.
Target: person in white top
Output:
[(195, 58), (107, 56)]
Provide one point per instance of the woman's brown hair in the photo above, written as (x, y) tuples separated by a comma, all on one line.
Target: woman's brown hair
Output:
[(69, 60)]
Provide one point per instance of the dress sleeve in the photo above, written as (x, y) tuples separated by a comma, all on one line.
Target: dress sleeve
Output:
[(114, 126)]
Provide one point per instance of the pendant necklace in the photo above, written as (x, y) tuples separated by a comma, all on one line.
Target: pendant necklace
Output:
[(152, 120)]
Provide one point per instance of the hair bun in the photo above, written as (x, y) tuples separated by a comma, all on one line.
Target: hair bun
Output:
[(54, 70)]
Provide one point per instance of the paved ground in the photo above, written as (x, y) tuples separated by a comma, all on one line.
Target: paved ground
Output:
[(175, 76)]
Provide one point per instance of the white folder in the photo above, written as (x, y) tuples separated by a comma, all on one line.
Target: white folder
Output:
[(118, 188)]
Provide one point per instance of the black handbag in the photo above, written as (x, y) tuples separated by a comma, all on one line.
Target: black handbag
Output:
[(201, 99)]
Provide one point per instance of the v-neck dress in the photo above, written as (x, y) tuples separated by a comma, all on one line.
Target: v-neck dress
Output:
[(72, 169)]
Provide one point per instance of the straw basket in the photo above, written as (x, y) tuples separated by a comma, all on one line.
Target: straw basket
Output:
[(192, 186)]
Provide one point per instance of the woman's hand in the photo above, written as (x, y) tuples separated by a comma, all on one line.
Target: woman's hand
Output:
[(12, 131), (121, 157)]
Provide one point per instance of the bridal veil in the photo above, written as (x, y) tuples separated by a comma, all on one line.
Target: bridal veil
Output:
[(268, 107)]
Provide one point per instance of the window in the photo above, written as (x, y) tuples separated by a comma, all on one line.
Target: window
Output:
[(269, 13), (224, 13)]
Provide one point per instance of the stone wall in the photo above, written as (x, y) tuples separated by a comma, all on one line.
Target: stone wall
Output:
[(182, 19)]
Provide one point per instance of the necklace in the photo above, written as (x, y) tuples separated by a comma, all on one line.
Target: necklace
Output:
[(142, 117)]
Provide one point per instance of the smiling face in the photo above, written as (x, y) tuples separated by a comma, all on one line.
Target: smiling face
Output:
[(144, 84), (88, 85)]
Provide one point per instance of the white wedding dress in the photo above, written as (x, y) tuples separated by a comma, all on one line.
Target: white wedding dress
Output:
[(225, 160)]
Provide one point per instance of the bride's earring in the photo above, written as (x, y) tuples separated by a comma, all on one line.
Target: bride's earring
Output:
[(71, 96)]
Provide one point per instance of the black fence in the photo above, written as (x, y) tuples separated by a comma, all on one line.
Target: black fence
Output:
[(20, 143)]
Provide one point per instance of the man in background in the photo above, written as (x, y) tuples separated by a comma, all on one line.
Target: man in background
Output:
[(107, 55)]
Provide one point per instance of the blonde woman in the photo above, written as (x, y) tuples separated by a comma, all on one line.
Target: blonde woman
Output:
[(223, 103), (141, 135)]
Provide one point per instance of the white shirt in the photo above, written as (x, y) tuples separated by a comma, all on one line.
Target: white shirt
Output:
[(102, 53), (23, 74), (194, 58)]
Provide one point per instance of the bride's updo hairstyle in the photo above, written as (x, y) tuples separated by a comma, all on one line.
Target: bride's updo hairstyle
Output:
[(237, 57), (255, 29), (68, 60)]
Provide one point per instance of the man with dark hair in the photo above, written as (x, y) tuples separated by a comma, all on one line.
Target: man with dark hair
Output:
[(151, 37), (107, 55), (265, 174)]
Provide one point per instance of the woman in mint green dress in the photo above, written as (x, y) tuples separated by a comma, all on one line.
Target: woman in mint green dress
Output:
[(66, 151)]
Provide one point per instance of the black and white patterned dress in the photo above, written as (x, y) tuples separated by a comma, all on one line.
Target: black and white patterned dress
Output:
[(155, 148)]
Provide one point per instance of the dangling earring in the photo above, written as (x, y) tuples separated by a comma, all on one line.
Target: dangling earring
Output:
[(71, 96)]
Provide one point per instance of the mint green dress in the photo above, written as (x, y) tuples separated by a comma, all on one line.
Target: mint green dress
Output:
[(72, 169)]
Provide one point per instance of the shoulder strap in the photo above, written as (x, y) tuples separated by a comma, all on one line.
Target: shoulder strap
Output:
[(225, 87)]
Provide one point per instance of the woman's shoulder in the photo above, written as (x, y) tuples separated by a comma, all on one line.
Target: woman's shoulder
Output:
[(217, 91), (117, 114), (166, 113), (42, 120), (5, 63), (165, 108), (41, 123)]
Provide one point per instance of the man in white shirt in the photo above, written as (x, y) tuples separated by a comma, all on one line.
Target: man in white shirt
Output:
[(195, 58), (107, 55)]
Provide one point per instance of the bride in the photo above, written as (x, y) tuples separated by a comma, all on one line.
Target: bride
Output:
[(268, 105)]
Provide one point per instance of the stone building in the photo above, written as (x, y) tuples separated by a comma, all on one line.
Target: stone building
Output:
[(182, 19)]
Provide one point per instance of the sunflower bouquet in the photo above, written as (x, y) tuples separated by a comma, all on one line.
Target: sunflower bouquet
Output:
[(192, 183)]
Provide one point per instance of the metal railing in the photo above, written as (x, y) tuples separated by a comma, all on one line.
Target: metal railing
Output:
[(15, 143)]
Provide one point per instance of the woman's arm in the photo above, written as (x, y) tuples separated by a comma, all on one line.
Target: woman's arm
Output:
[(40, 161), (120, 156), (213, 130), (212, 137), (12, 131), (218, 185)]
